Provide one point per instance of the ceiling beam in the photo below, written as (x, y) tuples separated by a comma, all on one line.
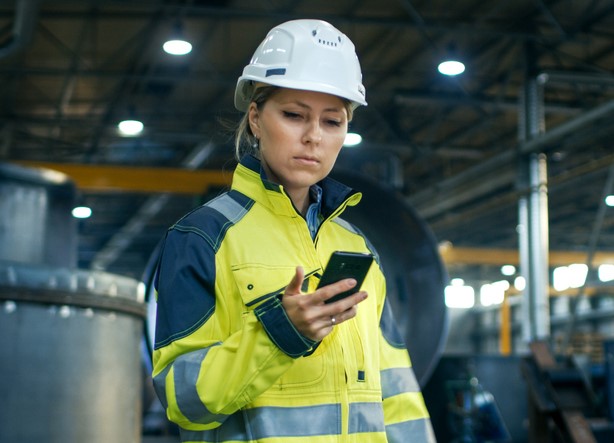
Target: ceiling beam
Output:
[(115, 178), (122, 239), (498, 257)]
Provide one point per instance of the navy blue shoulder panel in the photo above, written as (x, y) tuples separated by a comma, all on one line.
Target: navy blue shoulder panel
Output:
[(212, 220), (185, 280), (389, 328)]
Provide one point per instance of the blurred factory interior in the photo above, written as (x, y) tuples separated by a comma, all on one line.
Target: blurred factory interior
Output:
[(488, 193)]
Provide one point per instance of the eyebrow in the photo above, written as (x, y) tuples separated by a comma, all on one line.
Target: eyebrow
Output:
[(306, 106)]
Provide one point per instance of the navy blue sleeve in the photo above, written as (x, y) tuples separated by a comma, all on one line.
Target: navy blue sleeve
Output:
[(185, 285)]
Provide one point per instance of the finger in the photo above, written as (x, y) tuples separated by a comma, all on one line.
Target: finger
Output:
[(297, 281), (336, 319), (333, 289), (347, 303)]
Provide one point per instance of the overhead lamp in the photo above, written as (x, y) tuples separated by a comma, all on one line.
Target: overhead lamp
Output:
[(457, 295), (452, 65), (508, 270), (609, 200), (130, 128), (605, 272), (352, 139), (177, 45), (520, 283), (82, 212)]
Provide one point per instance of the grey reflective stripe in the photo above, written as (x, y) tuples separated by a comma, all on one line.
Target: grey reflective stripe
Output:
[(301, 422), (228, 207), (186, 369), (233, 429), (271, 422), (414, 430), (366, 417), (341, 222), (159, 382), (397, 381)]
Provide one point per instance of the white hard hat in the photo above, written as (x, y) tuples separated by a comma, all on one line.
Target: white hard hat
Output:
[(304, 54)]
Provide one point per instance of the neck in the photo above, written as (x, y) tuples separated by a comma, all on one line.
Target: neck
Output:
[(300, 199)]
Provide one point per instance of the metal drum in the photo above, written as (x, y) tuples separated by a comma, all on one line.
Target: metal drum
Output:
[(36, 225), (70, 339), (71, 367)]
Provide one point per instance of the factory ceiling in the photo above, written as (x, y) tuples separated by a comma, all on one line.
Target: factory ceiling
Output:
[(538, 79)]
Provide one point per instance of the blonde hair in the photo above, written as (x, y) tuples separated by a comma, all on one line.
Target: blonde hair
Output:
[(245, 141)]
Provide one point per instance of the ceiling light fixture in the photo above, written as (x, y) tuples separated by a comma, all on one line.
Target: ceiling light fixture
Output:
[(177, 47), (82, 212), (177, 44), (130, 128), (352, 139), (508, 270), (452, 65)]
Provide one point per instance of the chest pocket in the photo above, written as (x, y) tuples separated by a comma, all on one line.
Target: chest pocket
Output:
[(257, 283)]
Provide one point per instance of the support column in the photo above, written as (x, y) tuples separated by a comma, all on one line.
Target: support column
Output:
[(533, 214)]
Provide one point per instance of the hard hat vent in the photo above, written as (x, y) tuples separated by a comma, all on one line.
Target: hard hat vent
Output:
[(326, 37)]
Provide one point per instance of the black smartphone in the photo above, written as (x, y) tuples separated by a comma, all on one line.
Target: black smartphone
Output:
[(342, 265)]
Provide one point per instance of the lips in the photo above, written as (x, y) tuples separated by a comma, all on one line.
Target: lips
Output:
[(307, 160)]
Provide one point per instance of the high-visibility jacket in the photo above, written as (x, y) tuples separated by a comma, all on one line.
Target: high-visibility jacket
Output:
[(229, 366)]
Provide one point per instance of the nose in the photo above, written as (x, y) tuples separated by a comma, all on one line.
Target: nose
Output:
[(313, 133)]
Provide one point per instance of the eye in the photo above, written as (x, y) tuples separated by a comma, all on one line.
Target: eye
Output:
[(291, 115), (335, 123)]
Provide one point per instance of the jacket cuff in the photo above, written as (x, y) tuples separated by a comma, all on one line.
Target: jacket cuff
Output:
[(280, 329)]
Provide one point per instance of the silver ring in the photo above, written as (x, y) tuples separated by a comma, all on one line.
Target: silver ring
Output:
[(333, 320)]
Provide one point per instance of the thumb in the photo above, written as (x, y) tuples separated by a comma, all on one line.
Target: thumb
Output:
[(294, 287)]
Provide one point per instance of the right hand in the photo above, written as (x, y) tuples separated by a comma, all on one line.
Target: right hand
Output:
[(308, 312)]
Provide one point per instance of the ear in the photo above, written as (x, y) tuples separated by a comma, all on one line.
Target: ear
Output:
[(253, 118)]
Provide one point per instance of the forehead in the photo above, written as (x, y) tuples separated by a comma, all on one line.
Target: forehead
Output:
[(310, 99)]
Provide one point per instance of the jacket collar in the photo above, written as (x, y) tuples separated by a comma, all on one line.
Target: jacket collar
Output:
[(249, 180)]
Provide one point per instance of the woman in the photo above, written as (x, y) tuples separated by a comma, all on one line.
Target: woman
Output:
[(246, 348)]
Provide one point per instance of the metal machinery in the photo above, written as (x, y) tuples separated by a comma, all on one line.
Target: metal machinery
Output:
[(567, 404), (70, 338)]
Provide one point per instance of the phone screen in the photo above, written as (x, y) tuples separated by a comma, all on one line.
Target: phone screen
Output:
[(346, 265)]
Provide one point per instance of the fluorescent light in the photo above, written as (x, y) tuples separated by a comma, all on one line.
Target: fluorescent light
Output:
[(451, 67), (578, 272), (609, 200), (177, 47), (520, 283), (130, 127), (606, 272), (560, 278), (493, 293), (459, 296), (572, 276), (508, 269), (81, 212), (352, 139)]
